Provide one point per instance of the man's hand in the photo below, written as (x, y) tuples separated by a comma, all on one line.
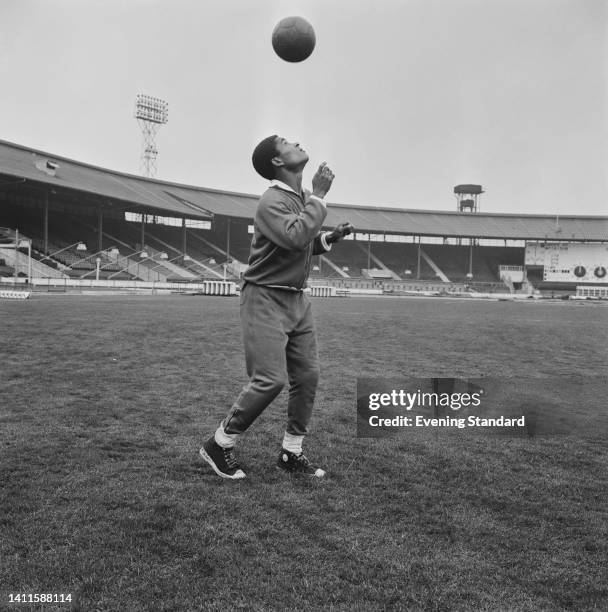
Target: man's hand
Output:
[(344, 229), (322, 180)]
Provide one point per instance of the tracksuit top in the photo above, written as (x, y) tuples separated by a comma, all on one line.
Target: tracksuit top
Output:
[(285, 237)]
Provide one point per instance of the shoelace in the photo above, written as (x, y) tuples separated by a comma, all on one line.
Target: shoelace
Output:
[(303, 460), (231, 461)]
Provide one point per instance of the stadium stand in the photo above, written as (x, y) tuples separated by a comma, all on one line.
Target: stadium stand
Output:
[(347, 256), (6, 270), (453, 260), (398, 257), (205, 233)]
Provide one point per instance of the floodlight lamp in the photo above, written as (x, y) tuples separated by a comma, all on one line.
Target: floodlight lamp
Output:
[(114, 251), (344, 268), (81, 246), (212, 261), (187, 258), (315, 268), (143, 254), (151, 109), (164, 255)]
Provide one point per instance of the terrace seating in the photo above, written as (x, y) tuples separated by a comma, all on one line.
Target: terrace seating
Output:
[(6, 270), (347, 254), (207, 251)]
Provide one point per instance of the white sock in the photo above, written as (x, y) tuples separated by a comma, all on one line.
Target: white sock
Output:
[(293, 443), (223, 439)]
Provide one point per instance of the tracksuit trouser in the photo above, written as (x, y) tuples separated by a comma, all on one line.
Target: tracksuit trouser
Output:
[(280, 346)]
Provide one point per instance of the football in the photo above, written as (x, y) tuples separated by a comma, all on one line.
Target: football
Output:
[(293, 39)]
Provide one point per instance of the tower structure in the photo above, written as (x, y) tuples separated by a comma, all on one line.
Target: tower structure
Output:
[(150, 113), (467, 197)]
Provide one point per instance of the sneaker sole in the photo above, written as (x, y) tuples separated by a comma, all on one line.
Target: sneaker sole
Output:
[(239, 475), (315, 475)]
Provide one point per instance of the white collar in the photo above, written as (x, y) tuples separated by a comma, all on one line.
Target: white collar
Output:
[(282, 185)]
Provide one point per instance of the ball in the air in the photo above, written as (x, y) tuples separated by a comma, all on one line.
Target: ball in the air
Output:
[(293, 39)]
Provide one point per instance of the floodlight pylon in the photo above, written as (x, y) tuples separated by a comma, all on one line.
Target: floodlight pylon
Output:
[(150, 113)]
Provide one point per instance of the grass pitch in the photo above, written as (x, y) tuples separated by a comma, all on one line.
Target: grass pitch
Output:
[(105, 401)]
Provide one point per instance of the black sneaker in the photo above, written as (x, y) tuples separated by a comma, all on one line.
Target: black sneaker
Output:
[(298, 464), (222, 460)]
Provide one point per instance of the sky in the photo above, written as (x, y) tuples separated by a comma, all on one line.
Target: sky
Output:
[(402, 98)]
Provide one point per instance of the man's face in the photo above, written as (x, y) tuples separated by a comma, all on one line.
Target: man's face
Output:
[(290, 154)]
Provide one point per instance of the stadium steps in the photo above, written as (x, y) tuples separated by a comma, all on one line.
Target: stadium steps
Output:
[(140, 269), (39, 255), (112, 237), (396, 256), (208, 244), (453, 260), (201, 259), (186, 270), (155, 267), (130, 263), (174, 271), (16, 259), (204, 268), (509, 284), (214, 248), (199, 255), (107, 267), (347, 254), (435, 267), (324, 259), (379, 263), (234, 243)]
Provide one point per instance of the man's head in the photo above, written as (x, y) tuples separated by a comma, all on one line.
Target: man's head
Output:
[(274, 154)]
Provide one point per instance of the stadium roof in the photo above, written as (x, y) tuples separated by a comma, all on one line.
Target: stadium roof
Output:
[(62, 173), (37, 167), (475, 225)]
